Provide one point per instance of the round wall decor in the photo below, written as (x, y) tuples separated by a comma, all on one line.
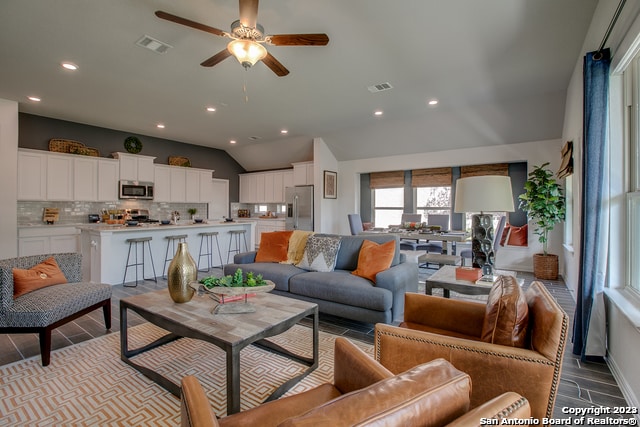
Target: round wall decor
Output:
[(133, 145)]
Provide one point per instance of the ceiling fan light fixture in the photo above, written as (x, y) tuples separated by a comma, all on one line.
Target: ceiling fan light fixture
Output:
[(247, 52)]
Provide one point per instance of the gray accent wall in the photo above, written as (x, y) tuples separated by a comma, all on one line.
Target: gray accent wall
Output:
[(36, 131)]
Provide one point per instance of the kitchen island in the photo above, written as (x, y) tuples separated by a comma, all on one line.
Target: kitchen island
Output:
[(105, 249)]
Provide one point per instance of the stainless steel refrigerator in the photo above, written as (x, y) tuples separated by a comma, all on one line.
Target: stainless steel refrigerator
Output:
[(299, 207)]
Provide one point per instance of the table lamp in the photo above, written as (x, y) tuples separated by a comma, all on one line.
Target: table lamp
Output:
[(488, 193)]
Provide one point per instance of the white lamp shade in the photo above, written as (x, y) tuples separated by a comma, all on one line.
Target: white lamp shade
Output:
[(247, 52), (487, 193)]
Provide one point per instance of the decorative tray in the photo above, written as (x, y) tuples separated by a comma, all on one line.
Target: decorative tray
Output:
[(241, 306)]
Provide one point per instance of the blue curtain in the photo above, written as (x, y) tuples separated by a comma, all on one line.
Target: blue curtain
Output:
[(594, 228)]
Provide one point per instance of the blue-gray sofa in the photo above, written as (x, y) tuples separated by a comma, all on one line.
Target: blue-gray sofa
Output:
[(339, 292)]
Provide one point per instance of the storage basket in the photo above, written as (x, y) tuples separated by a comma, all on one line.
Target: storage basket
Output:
[(545, 266), (179, 161), (72, 147)]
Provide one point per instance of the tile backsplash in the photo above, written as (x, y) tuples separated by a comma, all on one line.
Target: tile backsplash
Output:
[(30, 213)]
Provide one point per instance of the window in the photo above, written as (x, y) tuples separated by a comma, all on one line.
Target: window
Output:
[(388, 206), (432, 200), (633, 194)]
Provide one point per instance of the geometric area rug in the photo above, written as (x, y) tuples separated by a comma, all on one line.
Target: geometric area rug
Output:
[(88, 385)]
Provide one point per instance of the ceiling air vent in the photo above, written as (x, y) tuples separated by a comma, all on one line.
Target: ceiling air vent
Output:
[(380, 87), (153, 44), (255, 138)]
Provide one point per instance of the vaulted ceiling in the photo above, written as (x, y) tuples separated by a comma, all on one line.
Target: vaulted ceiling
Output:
[(499, 69)]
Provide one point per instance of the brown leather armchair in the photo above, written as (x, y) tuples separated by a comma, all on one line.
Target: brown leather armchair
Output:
[(364, 393), (436, 327)]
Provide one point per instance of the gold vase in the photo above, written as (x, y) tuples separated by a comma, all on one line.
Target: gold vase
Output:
[(182, 271)]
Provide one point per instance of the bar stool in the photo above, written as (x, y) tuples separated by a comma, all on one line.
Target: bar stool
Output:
[(133, 243), (234, 239), (171, 242), (208, 238)]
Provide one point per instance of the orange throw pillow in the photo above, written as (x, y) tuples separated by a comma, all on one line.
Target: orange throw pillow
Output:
[(519, 236), (507, 314), (374, 258), (273, 246), (46, 273)]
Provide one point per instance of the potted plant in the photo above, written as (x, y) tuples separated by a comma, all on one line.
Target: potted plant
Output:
[(544, 203), (192, 212)]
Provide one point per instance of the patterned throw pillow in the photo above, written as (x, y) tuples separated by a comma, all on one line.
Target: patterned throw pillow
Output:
[(320, 253)]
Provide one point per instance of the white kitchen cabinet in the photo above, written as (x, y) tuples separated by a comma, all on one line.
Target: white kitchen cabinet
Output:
[(178, 184), (59, 178), (248, 187), (134, 167), (192, 185), (32, 175), (108, 174), (205, 178), (278, 188), (162, 183), (303, 173), (62, 244), (33, 246), (85, 178), (264, 187), (287, 181), (46, 240)]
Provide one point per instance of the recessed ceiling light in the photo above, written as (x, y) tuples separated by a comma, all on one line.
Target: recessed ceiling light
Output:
[(284, 131), (378, 113), (34, 98), (211, 109), (233, 141), (69, 66), (160, 126), (433, 102)]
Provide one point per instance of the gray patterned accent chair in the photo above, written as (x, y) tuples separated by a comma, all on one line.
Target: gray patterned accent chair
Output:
[(43, 310)]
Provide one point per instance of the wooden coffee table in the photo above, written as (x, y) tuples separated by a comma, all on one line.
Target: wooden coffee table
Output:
[(231, 332), (445, 278)]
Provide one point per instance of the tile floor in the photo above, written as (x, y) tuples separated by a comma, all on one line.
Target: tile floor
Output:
[(581, 385)]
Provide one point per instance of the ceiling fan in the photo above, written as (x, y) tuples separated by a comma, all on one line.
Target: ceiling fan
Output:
[(248, 38)]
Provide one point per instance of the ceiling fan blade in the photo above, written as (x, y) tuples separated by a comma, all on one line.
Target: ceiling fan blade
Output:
[(183, 21), (298, 39), (217, 58), (275, 65), (249, 13)]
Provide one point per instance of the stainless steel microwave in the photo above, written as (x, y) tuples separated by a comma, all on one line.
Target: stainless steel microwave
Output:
[(136, 190)]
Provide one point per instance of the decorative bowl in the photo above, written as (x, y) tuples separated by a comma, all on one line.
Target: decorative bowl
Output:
[(198, 220), (232, 307), (132, 223), (165, 222)]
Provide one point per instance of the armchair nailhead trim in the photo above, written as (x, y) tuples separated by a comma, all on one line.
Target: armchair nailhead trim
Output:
[(462, 347), (504, 413)]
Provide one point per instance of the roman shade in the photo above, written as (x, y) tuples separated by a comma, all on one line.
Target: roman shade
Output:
[(392, 179), (501, 169), (434, 177)]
